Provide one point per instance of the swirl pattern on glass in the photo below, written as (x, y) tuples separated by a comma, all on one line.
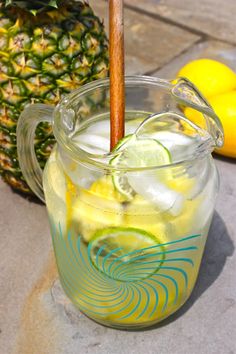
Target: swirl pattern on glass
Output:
[(137, 285)]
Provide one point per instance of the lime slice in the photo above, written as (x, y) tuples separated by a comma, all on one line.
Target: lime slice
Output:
[(126, 254), (128, 139), (136, 153)]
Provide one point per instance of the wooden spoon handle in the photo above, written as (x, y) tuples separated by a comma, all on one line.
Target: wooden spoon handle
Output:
[(117, 81)]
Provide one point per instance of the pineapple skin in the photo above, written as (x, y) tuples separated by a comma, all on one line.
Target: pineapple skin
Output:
[(42, 58)]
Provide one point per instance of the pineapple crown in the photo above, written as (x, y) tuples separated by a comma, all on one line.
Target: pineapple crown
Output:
[(33, 6)]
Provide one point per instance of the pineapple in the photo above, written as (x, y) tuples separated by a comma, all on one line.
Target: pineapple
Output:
[(47, 49)]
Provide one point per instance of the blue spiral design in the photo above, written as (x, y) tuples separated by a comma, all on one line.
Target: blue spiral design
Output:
[(138, 284)]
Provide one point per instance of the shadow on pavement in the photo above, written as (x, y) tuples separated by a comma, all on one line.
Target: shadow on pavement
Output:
[(218, 247), (231, 160)]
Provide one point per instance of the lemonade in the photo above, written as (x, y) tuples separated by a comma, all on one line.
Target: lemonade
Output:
[(129, 238), (129, 225)]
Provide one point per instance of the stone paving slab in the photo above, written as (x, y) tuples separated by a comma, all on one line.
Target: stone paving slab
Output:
[(149, 43), (215, 18), (24, 247), (211, 49)]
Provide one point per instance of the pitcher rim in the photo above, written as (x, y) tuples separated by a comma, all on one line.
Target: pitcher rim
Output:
[(84, 157)]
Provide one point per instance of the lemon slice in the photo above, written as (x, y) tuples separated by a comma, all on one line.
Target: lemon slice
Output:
[(126, 254)]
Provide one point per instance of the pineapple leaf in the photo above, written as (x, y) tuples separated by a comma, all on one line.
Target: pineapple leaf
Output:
[(8, 2), (33, 6), (53, 3)]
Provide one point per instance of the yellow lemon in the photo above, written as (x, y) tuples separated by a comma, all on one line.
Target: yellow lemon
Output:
[(209, 76), (224, 106)]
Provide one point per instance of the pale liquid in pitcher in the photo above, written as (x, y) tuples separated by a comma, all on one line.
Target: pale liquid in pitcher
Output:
[(129, 261)]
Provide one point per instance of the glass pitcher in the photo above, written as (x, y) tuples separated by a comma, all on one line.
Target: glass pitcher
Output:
[(128, 237)]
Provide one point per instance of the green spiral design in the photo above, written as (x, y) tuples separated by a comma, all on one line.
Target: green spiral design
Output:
[(139, 283)]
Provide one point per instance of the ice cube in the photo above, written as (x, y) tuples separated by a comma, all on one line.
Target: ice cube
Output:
[(101, 128), (150, 188), (80, 174), (94, 144), (179, 145)]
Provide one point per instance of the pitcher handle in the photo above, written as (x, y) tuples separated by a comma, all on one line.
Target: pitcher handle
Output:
[(31, 116)]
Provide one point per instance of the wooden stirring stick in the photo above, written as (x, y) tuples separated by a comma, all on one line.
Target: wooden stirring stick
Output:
[(117, 81)]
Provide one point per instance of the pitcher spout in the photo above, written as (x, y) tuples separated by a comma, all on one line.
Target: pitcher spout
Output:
[(198, 110)]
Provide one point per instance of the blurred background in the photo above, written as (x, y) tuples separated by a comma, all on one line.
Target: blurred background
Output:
[(161, 32)]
